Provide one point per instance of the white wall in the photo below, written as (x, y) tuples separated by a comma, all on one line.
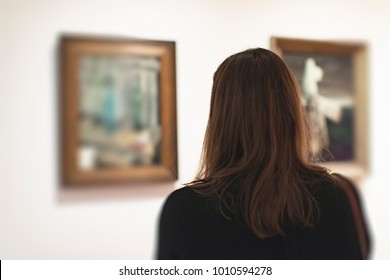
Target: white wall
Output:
[(39, 220)]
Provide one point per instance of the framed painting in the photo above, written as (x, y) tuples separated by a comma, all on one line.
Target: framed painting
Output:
[(333, 85), (118, 102)]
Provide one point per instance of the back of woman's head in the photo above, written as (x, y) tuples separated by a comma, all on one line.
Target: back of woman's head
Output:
[(256, 144), (255, 113)]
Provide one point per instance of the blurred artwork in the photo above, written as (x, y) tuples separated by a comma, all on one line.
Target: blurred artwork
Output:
[(119, 123), (326, 83), (118, 110)]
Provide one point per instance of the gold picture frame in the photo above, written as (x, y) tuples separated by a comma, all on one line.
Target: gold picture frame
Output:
[(342, 87), (118, 103)]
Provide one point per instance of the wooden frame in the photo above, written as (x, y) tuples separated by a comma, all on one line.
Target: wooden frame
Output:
[(353, 57), (128, 133)]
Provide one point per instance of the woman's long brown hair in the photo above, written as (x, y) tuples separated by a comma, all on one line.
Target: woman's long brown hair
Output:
[(257, 145)]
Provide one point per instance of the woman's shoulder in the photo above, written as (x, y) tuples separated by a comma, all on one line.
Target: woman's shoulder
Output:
[(335, 182), (324, 185), (181, 194), (185, 198), (334, 194)]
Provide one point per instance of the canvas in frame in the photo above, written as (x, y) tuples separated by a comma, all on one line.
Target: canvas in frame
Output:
[(333, 82), (118, 110)]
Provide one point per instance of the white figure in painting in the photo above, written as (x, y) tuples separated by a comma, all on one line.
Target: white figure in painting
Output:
[(312, 74), (319, 107)]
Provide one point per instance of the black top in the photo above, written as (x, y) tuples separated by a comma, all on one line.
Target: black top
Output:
[(192, 227)]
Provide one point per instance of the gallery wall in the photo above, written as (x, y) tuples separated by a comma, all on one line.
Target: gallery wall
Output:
[(41, 220)]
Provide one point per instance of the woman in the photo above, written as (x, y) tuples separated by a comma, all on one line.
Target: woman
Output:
[(257, 194)]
